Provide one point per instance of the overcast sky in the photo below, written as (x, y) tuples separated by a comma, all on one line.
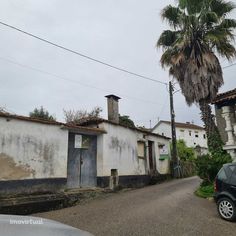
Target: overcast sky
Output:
[(122, 33)]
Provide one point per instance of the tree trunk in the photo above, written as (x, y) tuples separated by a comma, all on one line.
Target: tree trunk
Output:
[(214, 140)]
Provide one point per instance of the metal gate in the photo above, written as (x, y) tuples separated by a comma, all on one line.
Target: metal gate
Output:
[(82, 166)]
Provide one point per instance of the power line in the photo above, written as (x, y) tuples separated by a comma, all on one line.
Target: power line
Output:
[(81, 54), (72, 80), (229, 66), (88, 57)]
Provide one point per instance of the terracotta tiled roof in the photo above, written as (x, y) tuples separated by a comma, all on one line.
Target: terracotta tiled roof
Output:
[(48, 122), (226, 96), (96, 121), (181, 125)]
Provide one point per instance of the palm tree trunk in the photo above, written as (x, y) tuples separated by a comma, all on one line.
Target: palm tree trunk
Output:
[(215, 143)]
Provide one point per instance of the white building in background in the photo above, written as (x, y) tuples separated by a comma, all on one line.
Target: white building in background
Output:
[(193, 135)]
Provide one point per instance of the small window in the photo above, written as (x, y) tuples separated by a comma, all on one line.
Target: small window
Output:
[(162, 134), (222, 175), (82, 141), (114, 172), (190, 133), (204, 136), (182, 133), (141, 149), (196, 135)]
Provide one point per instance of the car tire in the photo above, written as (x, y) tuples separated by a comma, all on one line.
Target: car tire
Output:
[(226, 209)]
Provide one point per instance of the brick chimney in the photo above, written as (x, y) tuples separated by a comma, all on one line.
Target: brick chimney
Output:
[(113, 108)]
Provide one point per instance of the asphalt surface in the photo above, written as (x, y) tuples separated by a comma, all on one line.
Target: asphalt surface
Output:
[(170, 208)]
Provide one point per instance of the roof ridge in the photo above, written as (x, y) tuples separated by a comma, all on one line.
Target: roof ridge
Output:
[(180, 124)]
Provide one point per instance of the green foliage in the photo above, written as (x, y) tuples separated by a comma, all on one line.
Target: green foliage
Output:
[(41, 113), (208, 165), (126, 121), (215, 143), (185, 153), (205, 191)]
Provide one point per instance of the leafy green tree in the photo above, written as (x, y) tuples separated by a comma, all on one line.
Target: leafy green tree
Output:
[(126, 121), (41, 113), (200, 31), (185, 153)]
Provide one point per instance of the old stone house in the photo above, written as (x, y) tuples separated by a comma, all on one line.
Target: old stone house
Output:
[(131, 155), (48, 156)]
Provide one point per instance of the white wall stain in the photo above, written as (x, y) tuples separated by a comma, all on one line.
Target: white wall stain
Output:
[(38, 150)]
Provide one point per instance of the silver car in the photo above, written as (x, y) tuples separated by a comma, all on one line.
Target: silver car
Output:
[(11, 225)]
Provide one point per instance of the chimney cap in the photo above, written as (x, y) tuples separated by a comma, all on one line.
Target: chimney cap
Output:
[(116, 98)]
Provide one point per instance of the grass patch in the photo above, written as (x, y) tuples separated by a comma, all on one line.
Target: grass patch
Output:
[(205, 191)]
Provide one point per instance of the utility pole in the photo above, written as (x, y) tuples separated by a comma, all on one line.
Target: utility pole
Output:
[(175, 161)]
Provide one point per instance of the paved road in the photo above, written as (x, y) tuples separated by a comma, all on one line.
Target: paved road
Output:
[(169, 208)]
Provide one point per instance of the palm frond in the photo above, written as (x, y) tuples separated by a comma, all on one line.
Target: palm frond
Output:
[(166, 58), (192, 6), (171, 15), (221, 7), (228, 24), (167, 38), (221, 32), (226, 49), (209, 18)]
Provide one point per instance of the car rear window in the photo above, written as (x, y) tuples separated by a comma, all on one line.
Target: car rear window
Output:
[(222, 175), (233, 176), (229, 170), (232, 168)]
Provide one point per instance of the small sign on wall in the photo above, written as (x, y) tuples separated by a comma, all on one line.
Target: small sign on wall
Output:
[(78, 141), (164, 150)]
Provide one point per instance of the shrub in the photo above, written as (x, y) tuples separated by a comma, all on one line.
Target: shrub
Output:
[(126, 121), (75, 116), (42, 113), (205, 191), (208, 165), (185, 153)]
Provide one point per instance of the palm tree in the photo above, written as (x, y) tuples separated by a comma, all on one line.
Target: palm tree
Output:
[(200, 33)]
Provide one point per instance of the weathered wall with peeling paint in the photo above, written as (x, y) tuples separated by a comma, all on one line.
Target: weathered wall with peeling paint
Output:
[(117, 149), (30, 150)]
